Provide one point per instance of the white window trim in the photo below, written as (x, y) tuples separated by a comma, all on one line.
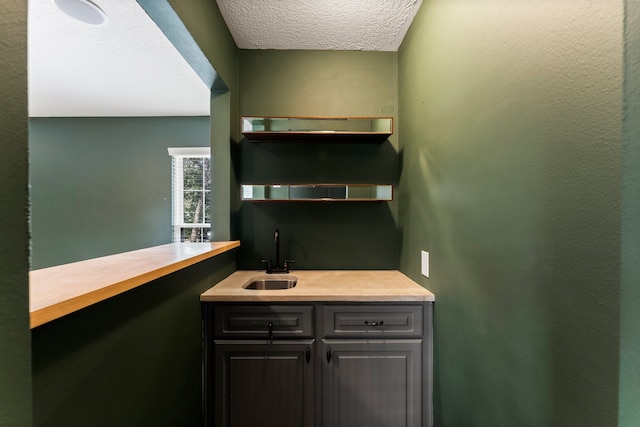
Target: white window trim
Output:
[(189, 151), (177, 154)]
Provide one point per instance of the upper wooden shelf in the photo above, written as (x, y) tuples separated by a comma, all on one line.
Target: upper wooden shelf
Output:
[(289, 129)]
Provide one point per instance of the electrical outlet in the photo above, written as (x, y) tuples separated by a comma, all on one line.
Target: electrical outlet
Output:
[(425, 263)]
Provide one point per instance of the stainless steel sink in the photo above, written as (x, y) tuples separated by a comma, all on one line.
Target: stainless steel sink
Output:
[(271, 282)]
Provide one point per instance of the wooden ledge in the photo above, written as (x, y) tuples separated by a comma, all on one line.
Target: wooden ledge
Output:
[(57, 291)]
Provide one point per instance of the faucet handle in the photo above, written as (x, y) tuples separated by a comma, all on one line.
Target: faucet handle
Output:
[(286, 264), (268, 262)]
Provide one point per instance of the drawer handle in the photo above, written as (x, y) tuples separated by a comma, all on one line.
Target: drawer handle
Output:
[(270, 331), (380, 323)]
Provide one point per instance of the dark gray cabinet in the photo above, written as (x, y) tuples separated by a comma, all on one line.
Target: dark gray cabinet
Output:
[(372, 383), (259, 365), (377, 367), (321, 364), (264, 383)]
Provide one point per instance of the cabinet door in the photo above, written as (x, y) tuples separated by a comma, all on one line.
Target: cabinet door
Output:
[(264, 383), (372, 383)]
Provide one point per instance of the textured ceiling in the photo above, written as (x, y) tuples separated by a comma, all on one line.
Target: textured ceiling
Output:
[(319, 24)]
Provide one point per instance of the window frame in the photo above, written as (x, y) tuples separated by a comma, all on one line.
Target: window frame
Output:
[(178, 154)]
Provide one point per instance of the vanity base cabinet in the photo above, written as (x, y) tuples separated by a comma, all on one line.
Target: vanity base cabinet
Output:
[(258, 365), (317, 364), (377, 364)]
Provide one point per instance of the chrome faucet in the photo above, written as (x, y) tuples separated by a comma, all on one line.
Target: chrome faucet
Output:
[(277, 268)]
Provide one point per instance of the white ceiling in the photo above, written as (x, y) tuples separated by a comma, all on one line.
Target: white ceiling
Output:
[(127, 67)]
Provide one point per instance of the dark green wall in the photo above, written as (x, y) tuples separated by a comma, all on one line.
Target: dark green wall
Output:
[(100, 186), (319, 83), (630, 294), (511, 178), (15, 356), (132, 360), (206, 25)]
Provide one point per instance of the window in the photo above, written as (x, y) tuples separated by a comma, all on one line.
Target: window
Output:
[(191, 194)]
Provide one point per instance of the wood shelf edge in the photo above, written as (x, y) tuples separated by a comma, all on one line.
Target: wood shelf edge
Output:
[(52, 310)]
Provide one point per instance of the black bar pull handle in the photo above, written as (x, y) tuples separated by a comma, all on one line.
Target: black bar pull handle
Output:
[(380, 323), (308, 354), (329, 355), (270, 331)]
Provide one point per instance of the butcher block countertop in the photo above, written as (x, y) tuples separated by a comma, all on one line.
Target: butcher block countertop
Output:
[(323, 285), (57, 291)]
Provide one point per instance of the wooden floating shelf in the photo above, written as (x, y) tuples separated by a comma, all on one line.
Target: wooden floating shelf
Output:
[(316, 192), (327, 129)]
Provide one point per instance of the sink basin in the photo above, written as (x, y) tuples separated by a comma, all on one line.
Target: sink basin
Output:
[(271, 282)]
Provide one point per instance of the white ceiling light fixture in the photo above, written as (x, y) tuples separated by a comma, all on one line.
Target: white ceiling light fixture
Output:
[(82, 10)]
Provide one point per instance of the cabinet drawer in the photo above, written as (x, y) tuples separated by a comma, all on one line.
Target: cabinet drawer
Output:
[(258, 321), (373, 321)]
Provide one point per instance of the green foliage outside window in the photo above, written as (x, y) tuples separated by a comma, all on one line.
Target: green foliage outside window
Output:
[(196, 198)]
